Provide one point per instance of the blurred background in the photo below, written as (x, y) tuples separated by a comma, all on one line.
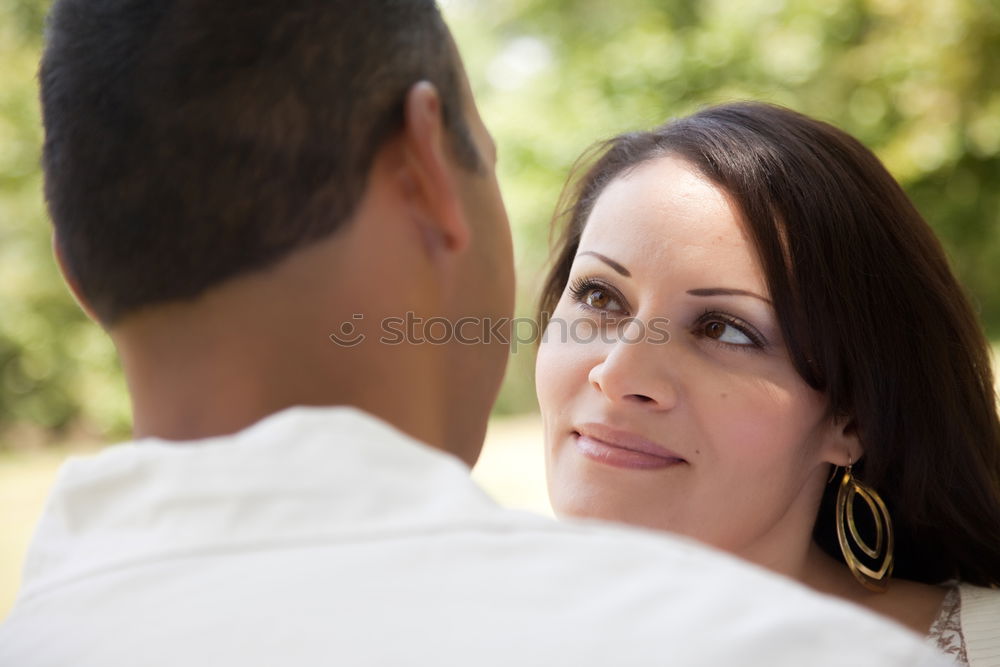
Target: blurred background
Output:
[(917, 80)]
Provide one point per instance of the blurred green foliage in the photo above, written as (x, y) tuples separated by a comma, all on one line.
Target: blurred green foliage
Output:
[(57, 369), (916, 80)]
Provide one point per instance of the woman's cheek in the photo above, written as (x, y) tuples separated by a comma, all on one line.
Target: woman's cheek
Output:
[(767, 421), (554, 369)]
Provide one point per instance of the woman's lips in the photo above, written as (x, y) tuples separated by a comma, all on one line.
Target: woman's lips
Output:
[(622, 449)]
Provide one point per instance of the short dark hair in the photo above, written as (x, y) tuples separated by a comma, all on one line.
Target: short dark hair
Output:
[(190, 141), (869, 309)]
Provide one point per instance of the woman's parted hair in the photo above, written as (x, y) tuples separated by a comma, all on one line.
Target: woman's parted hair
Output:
[(868, 307)]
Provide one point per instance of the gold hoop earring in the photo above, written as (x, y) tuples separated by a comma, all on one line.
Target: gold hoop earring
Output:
[(874, 579)]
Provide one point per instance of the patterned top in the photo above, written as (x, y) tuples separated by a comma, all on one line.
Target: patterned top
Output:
[(946, 632)]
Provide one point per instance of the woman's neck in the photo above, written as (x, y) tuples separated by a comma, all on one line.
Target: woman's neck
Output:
[(912, 604)]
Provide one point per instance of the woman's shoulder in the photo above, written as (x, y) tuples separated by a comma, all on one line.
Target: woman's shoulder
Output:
[(981, 594), (980, 603), (980, 615)]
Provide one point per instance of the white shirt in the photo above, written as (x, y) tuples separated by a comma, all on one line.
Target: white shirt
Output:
[(322, 536), (980, 625)]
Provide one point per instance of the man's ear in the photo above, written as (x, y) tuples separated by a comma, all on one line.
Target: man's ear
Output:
[(70, 278), (434, 190)]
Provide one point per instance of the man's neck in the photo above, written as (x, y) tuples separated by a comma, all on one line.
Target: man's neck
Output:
[(197, 371)]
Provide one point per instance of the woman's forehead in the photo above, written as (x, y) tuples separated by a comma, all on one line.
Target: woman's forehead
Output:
[(666, 212)]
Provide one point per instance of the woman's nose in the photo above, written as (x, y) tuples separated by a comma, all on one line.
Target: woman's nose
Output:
[(639, 372)]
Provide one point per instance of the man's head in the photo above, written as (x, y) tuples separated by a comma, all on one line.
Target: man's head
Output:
[(209, 157), (190, 141)]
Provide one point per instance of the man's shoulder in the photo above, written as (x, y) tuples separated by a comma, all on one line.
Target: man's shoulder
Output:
[(710, 607), (481, 585)]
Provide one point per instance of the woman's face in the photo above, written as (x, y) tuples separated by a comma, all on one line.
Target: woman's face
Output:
[(711, 434)]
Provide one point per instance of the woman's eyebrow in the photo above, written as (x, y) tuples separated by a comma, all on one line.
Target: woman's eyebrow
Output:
[(725, 291), (607, 260)]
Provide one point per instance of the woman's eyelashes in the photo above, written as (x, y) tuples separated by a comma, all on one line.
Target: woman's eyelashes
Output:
[(597, 295), (729, 331)]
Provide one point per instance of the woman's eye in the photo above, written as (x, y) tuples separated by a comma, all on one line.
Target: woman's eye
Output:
[(600, 299), (592, 294), (725, 333)]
